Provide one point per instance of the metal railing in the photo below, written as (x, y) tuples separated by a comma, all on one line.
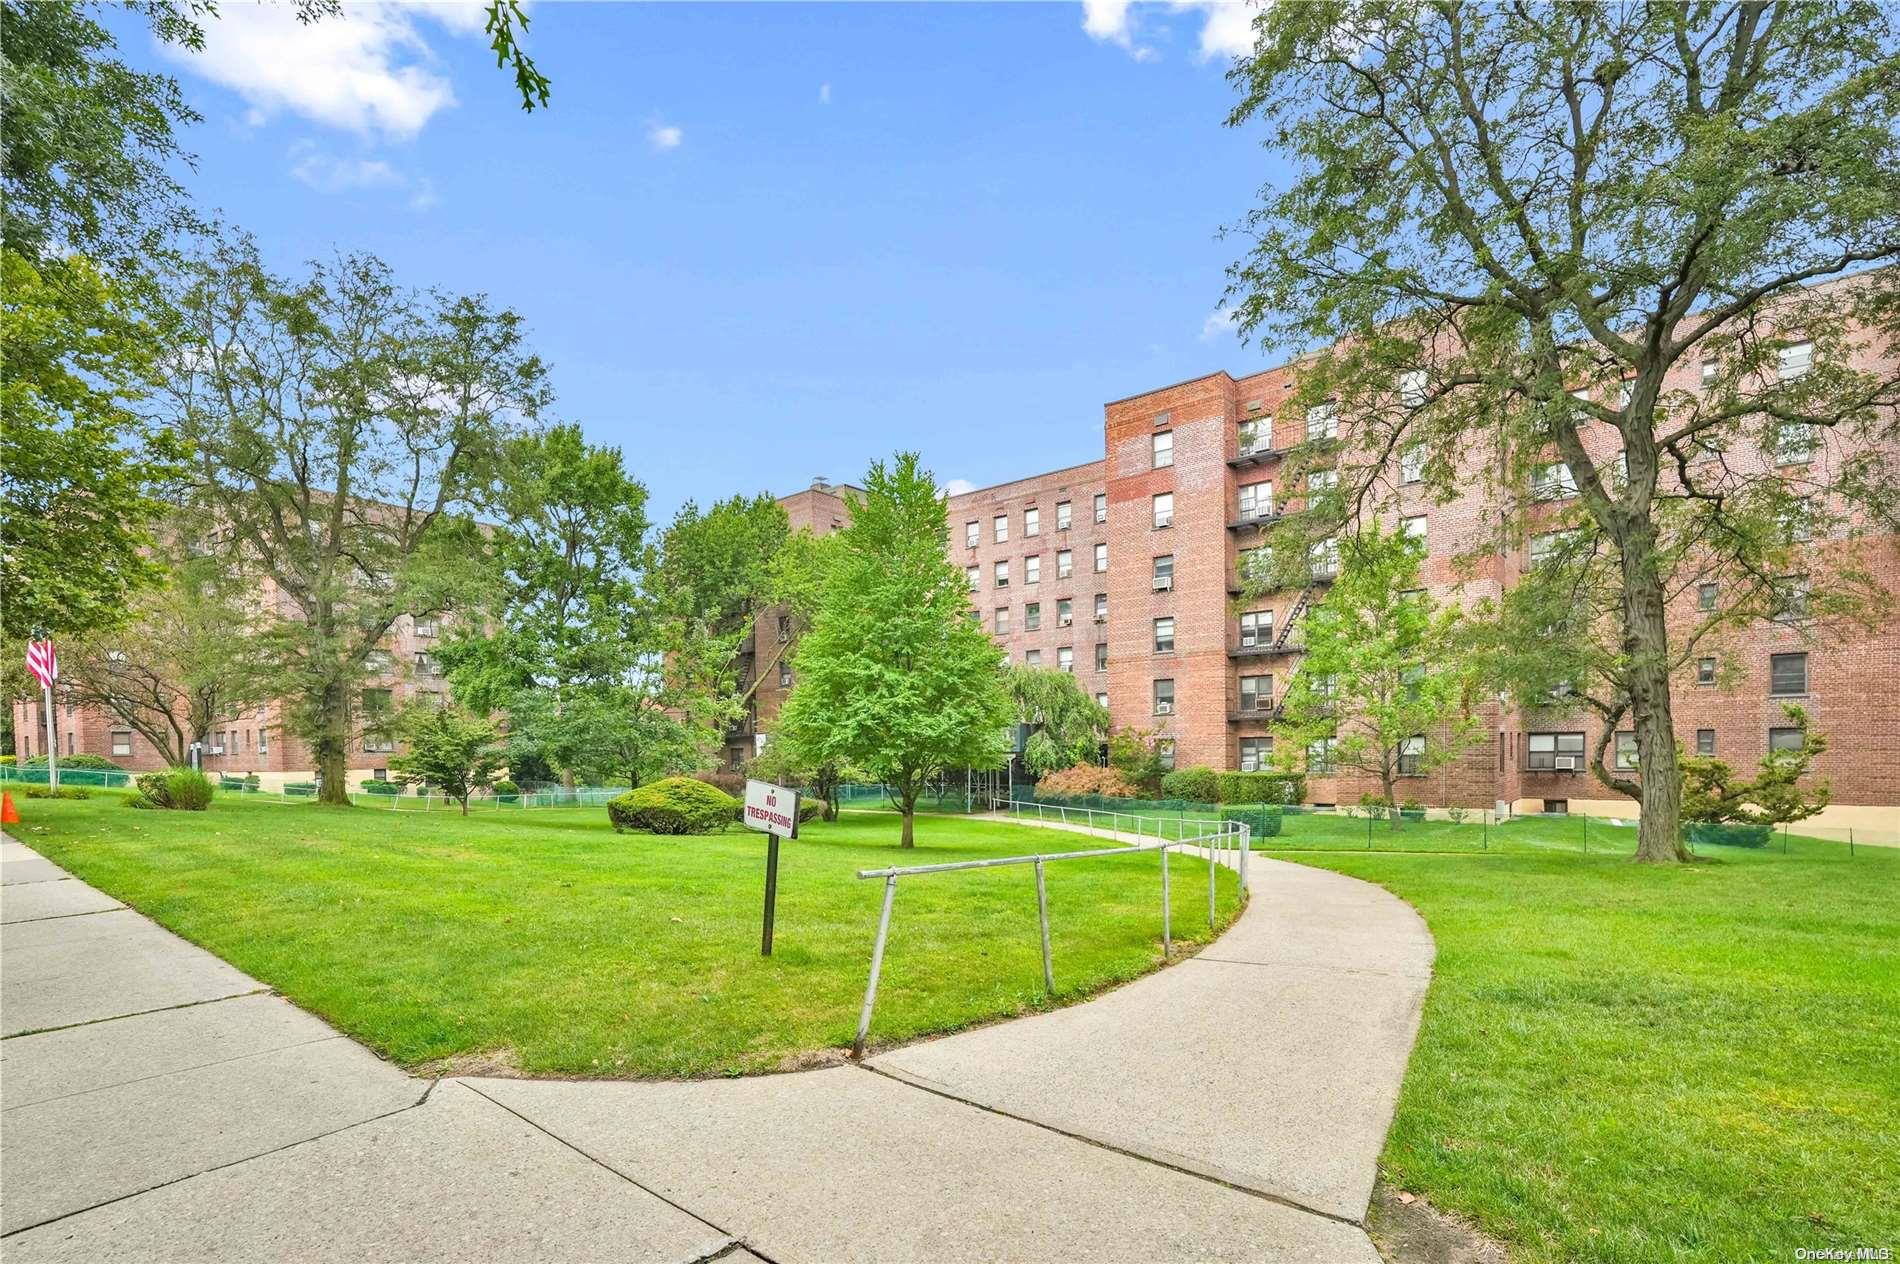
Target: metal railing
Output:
[(1218, 837)]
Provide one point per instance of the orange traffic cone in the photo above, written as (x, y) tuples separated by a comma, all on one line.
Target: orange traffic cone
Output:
[(9, 815)]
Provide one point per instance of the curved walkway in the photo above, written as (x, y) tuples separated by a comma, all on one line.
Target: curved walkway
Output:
[(160, 1105)]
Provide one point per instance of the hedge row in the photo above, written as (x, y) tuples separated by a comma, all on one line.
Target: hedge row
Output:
[(1262, 819)]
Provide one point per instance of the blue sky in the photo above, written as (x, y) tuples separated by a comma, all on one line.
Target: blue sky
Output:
[(759, 243)]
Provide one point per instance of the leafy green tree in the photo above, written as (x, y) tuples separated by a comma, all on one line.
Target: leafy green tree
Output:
[(188, 655), (1772, 797), (783, 764), (1067, 726), (1495, 206), (1141, 757), (1388, 676), (894, 677), (449, 750), (342, 428)]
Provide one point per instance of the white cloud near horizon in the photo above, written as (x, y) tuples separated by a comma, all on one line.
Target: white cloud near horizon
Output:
[(957, 487), (664, 136), (1226, 25), (367, 69), (1220, 323), (327, 173)]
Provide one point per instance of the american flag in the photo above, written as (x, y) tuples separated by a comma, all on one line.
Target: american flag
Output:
[(42, 662)]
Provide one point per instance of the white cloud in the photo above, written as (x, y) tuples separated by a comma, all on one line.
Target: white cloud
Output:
[(366, 69), (664, 136), (958, 486), (824, 94), (327, 173), (1226, 25), (1219, 324)]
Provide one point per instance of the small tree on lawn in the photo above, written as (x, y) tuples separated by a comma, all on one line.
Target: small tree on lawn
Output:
[(449, 750), (895, 676), (783, 763), (1388, 674), (1711, 793), (1140, 757)]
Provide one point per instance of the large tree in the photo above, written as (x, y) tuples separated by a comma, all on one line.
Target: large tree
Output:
[(1495, 206), (1065, 726), (342, 427), (188, 656), (1388, 676), (894, 676)]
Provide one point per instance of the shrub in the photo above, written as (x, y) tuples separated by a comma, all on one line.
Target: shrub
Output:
[(809, 809), (1412, 805), (724, 779), (63, 792), (376, 785), (1728, 834), (179, 789), (1262, 819), (505, 786), (92, 763), (674, 805), (1261, 787), (1087, 779), (9, 760), (1196, 785), (252, 781), (300, 787)]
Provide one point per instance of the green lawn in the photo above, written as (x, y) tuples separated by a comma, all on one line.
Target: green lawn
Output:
[(1624, 1063), (545, 940)]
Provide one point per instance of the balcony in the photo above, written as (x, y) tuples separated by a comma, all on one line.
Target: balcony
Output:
[(1262, 714), (1253, 520), (1248, 458), (1261, 650)]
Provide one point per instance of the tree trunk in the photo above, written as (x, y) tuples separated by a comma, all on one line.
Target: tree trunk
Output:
[(909, 808), (464, 805), (1391, 801), (333, 745), (1646, 644)]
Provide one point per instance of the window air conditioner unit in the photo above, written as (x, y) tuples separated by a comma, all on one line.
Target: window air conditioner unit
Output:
[(1164, 708), (1164, 583), (217, 750), (1101, 618), (1569, 763)]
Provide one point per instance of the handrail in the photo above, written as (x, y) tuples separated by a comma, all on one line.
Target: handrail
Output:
[(1218, 835)]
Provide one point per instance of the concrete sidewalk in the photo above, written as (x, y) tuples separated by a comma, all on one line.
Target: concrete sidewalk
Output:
[(159, 1105)]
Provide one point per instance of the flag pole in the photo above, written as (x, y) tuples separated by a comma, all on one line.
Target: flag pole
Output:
[(52, 741)]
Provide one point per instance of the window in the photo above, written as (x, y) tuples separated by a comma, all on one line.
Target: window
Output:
[(1163, 449), (1255, 753), (1705, 597), (1546, 547), (426, 666), (1101, 607), (1002, 621), (972, 534), (1795, 443), (1553, 482), (1101, 700), (1705, 738), (784, 628), (1164, 509), (121, 742), (1791, 598), (1164, 753), (1624, 760), (1324, 559), (1101, 507), (1796, 360), (1164, 635), (784, 675), (1256, 693), (1032, 522), (1032, 569), (1065, 563), (969, 573), (1412, 388), (1412, 681), (1256, 628), (1710, 372), (1556, 807), (1412, 464), (1032, 658), (1787, 675), (1164, 572), (1412, 756), (1797, 521), (1319, 482), (1554, 752), (1256, 435), (1322, 421), (1788, 739), (263, 742), (1065, 659), (1705, 671), (1319, 757), (1101, 656), (1002, 574), (1256, 501), (1101, 559), (1413, 528), (1065, 613), (1255, 563), (1062, 515), (427, 625), (1032, 617), (1164, 697)]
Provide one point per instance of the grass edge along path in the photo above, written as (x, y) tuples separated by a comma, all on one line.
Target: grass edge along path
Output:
[(546, 944)]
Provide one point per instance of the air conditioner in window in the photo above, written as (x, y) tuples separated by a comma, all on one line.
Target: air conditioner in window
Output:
[(1164, 583), (217, 750), (1164, 708), (1569, 763), (1101, 618)]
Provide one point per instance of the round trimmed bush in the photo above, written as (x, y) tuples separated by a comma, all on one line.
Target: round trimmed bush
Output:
[(809, 809), (506, 787), (1196, 785), (92, 763), (674, 805)]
